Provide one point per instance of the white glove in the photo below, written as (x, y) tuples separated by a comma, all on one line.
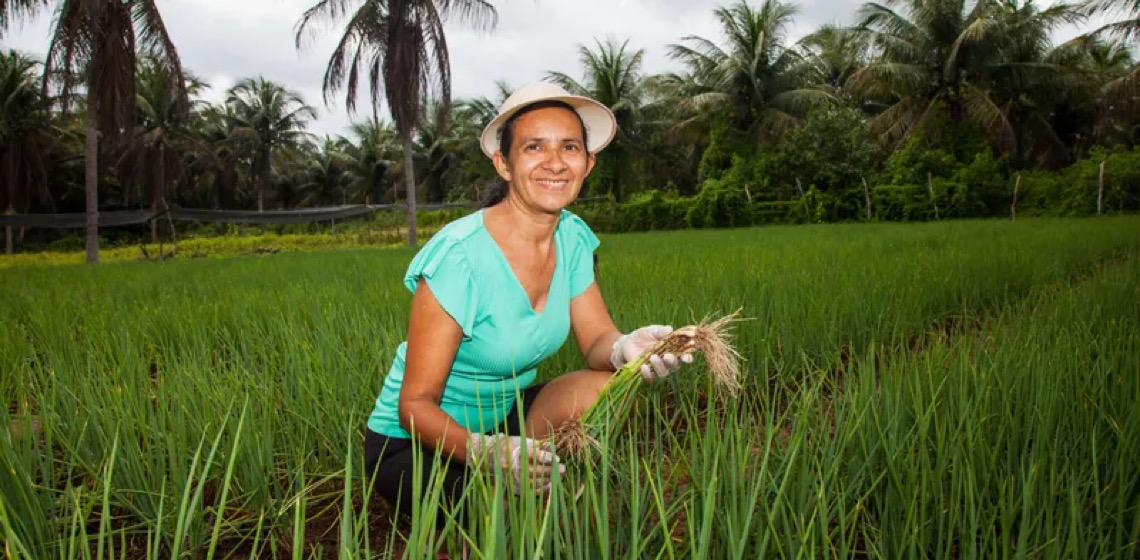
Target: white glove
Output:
[(487, 450), (632, 345)]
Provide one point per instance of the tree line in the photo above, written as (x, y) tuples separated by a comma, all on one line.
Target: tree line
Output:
[(909, 92)]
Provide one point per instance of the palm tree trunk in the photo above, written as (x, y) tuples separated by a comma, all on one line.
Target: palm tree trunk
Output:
[(156, 193), (223, 183), (91, 180), (262, 179), (410, 189), (10, 172), (10, 197), (618, 176)]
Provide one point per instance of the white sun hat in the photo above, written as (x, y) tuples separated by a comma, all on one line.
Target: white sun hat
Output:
[(599, 120)]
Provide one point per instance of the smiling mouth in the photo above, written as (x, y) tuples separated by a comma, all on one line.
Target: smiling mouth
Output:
[(553, 184)]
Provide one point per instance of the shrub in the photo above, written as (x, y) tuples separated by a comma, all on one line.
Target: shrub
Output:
[(723, 202), (913, 164), (653, 210), (834, 151), (778, 212), (988, 191)]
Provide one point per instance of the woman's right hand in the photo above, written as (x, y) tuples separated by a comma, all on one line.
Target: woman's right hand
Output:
[(630, 346), (519, 456)]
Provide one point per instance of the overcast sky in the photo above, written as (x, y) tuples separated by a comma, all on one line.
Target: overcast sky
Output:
[(225, 40)]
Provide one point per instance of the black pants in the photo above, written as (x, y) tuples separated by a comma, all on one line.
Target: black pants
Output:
[(390, 460)]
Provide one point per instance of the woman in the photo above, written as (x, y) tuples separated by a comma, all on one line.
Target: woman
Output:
[(495, 293)]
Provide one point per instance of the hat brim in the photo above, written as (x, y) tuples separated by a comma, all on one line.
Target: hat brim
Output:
[(601, 126)]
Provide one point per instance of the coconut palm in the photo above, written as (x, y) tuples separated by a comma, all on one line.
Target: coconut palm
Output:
[(483, 110), (447, 135), (26, 134), (613, 77), (1029, 78), (293, 173), (97, 42), (754, 73), (1102, 107), (1121, 92), (217, 152), (369, 154), (325, 176), (401, 46), (162, 133), (1126, 29), (971, 59), (834, 53), (266, 117)]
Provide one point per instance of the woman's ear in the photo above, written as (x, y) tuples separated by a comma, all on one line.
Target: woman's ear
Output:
[(590, 161), (502, 166)]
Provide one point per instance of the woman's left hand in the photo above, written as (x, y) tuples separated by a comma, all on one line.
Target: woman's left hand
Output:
[(632, 345)]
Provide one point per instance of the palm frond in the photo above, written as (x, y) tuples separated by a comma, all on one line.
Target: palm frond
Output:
[(981, 109)]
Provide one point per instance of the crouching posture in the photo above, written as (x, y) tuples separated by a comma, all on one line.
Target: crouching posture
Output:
[(495, 294)]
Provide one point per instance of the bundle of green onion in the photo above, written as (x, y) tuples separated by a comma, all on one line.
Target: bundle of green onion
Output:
[(712, 339)]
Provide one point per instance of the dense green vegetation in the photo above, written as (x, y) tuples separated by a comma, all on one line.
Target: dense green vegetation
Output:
[(916, 109), (958, 389)]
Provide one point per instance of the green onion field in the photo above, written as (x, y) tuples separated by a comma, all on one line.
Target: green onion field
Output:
[(938, 390)]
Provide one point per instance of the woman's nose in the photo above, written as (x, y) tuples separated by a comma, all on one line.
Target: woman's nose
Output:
[(554, 161)]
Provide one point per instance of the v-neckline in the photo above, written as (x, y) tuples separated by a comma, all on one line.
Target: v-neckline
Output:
[(507, 263)]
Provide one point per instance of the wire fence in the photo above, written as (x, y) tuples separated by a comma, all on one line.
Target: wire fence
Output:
[(135, 217), (121, 218)]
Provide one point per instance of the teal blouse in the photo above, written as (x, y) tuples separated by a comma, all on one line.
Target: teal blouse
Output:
[(504, 339)]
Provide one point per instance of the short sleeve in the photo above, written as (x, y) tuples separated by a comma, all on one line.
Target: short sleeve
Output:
[(584, 242), (443, 264)]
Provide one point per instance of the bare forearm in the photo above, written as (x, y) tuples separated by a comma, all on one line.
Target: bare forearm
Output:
[(429, 424), (598, 358)]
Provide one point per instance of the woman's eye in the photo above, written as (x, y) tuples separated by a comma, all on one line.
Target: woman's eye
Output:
[(531, 147), (572, 147)]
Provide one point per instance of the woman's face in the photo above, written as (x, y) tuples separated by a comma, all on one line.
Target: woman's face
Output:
[(548, 160)]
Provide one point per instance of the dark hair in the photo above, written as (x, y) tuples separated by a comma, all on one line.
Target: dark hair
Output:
[(506, 137)]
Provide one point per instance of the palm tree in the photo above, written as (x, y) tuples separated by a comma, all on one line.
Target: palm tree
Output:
[(99, 40), (217, 152), (441, 141), (483, 110), (1127, 29), (1121, 91), (762, 81), (686, 103), (834, 54), (400, 45), (368, 156), (266, 117), (972, 61), (162, 133), (325, 175), (613, 77), (26, 134), (1029, 78), (1101, 106)]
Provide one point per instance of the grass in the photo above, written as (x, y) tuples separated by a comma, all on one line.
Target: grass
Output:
[(948, 390), (221, 246)]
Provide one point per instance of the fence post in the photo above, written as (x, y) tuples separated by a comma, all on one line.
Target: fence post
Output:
[(154, 225), (8, 234), (867, 193), (803, 198), (1013, 205), (1100, 193), (930, 185)]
